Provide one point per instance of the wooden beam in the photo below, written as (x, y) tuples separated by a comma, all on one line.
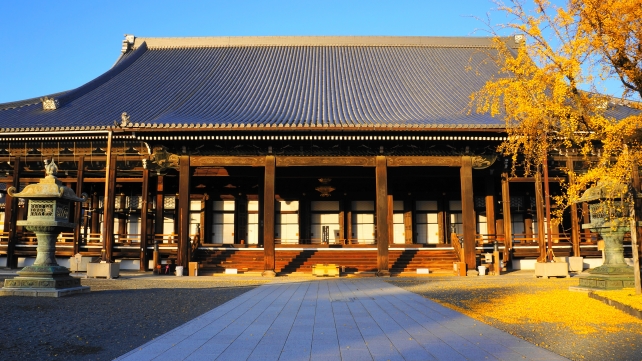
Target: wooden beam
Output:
[(144, 222), (539, 206), (424, 161), (269, 216), (225, 161), (78, 206), (357, 161), (11, 216), (533, 179), (468, 211), (108, 212), (383, 236), (183, 211), (118, 180)]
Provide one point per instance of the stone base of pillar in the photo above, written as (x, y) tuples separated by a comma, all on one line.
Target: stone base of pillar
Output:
[(43, 281), (268, 273), (383, 273)]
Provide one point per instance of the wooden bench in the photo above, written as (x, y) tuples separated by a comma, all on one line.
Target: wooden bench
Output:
[(321, 270)]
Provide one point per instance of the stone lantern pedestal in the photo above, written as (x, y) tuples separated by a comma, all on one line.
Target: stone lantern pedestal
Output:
[(48, 215), (608, 213)]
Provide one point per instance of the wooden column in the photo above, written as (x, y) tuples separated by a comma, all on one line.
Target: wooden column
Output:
[(390, 220), (240, 219), (490, 207), (95, 214), (348, 210), (541, 231), (268, 216), (108, 211), (183, 212), (342, 221), (575, 223), (383, 235), (508, 223), (11, 216), (408, 230), (159, 218), (78, 217), (304, 221), (122, 218), (468, 211), (442, 220), (144, 222)]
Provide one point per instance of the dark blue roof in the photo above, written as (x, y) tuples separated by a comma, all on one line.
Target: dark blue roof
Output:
[(257, 82)]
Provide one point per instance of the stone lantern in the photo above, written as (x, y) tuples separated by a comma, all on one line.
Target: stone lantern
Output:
[(47, 216), (609, 211)]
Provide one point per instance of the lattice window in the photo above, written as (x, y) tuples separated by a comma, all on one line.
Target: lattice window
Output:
[(517, 203), (480, 202), (40, 208), (169, 202), (62, 210), (134, 202)]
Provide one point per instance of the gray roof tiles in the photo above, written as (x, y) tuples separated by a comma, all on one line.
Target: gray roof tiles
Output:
[(300, 82)]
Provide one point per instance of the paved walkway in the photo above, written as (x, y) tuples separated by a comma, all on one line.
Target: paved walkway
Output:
[(336, 319)]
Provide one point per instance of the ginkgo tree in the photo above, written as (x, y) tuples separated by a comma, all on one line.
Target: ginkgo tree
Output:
[(550, 90)]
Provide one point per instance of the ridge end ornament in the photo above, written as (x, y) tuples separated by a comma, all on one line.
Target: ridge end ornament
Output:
[(49, 103)]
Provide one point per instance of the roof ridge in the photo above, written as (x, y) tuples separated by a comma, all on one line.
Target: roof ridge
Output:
[(373, 41)]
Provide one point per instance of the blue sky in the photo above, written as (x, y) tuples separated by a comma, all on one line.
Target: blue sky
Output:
[(52, 46)]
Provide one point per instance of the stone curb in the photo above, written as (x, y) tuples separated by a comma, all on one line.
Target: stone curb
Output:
[(620, 306)]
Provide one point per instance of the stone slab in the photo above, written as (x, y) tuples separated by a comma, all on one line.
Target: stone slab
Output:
[(336, 318), (43, 292), (551, 269)]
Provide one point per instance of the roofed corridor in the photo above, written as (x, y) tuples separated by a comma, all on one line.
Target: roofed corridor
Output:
[(338, 319)]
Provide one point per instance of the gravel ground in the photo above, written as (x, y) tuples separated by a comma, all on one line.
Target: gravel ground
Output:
[(115, 317), (456, 291)]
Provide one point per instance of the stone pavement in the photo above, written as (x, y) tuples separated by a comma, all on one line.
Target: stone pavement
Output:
[(335, 319)]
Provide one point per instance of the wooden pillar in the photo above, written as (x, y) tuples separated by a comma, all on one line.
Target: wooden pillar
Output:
[(78, 216), (240, 219), (342, 221), (144, 222), (490, 207), (349, 231), (390, 220), (159, 217), (268, 216), (442, 220), (468, 211), (541, 231), (575, 223), (383, 235), (108, 211), (508, 223), (95, 213), (183, 212), (304, 220), (122, 218), (408, 230), (11, 216)]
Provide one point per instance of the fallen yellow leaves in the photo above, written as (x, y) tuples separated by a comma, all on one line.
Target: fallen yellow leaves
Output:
[(625, 296), (538, 302)]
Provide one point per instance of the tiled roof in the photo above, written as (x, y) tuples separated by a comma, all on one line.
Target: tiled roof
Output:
[(258, 82)]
